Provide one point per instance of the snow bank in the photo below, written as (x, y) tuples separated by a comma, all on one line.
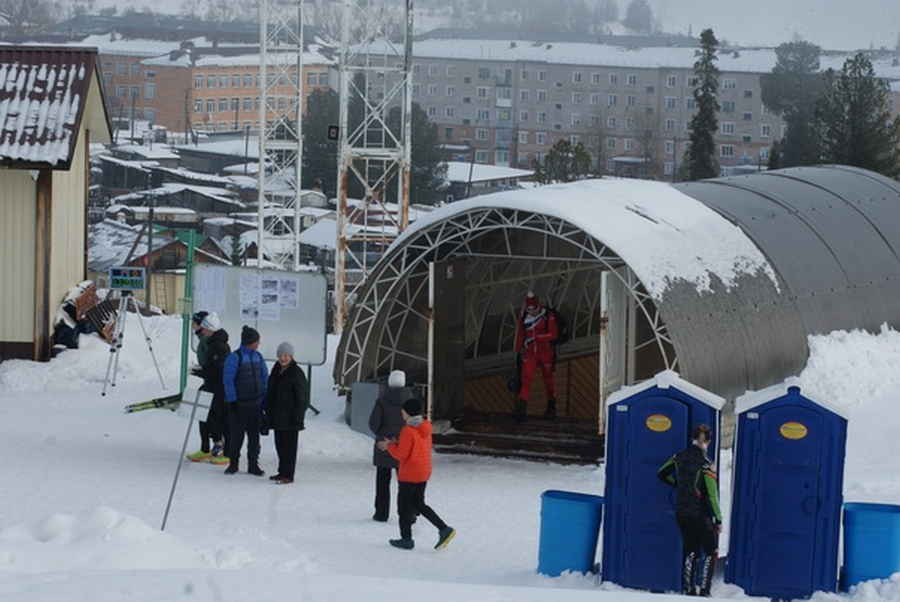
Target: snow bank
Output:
[(870, 591), (96, 540)]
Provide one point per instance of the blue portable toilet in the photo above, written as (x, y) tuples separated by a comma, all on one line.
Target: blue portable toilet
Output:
[(647, 424), (787, 493)]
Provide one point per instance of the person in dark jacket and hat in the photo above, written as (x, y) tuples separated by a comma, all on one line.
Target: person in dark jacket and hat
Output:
[(697, 511), (386, 422), (287, 399), (245, 378), (215, 352)]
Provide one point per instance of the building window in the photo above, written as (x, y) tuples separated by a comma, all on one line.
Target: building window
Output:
[(481, 134), (432, 70), (416, 69), (670, 125), (432, 111), (223, 105), (523, 95), (482, 92), (484, 115), (668, 168), (451, 70), (540, 138), (210, 105), (448, 133), (629, 144), (542, 76), (726, 150), (542, 117), (502, 157), (729, 84), (481, 156), (150, 115), (611, 144), (613, 79), (631, 124), (198, 106), (651, 89), (764, 153), (693, 81), (671, 103), (576, 120), (632, 80), (611, 100), (765, 130), (121, 91), (449, 112), (484, 73), (523, 75), (596, 79), (150, 74), (523, 116), (236, 81), (523, 137), (312, 78), (611, 123), (323, 78), (690, 103), (248, 103), (632, 100), (212, 81), (747, 139), (504, 93), (671, 81), (149, 91), (256, 103), (727, 128), (248, 80), (595, 99), (282, 103), (198, 81), (121, 69), (576, 77), (728, 106), (748, 93), (223, 81), (670, 147), (451, 91), (574, 140), (504, 115), (577, 98), (135, 91), (542, 96), (135, 69), (432, 89), (748, 116)]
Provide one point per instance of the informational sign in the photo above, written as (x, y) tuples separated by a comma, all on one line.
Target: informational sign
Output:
[(283, 306), (127, 279)]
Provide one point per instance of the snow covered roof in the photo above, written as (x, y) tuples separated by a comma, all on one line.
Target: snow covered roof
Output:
[(110, 43), (754, 399), (127, 163), (663, 234), (45, 93), (157, 151), (138, 210), (241, 168), (110, 241), (323, 234), (458, 171), (194, 175), (235, 147), (227, 221), (218, 194), (668, 379), (312, 56)]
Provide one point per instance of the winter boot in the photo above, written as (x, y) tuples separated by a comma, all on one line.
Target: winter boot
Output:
[(284, 481), (255, 470), (232, 467), (403, 544), (199, 456), (379, 518), (550, 412), (706, 575), (688, 571), (521, 411), (219, 460), (218, 449), (445, 535), (275, 477)]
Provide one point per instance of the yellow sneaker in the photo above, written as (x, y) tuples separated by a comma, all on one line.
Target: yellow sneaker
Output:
[(219, 460), (200, 456)]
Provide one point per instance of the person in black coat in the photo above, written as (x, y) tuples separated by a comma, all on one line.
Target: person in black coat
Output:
[(287, 399), (385, 422), (212, 361)]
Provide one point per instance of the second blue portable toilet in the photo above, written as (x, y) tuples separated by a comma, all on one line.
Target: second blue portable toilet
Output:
[(787, 494), (647, 424)]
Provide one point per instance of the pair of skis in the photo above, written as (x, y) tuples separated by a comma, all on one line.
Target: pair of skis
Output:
[(169, 402)]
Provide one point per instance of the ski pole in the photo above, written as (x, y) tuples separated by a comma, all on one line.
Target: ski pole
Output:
[(187, 435)]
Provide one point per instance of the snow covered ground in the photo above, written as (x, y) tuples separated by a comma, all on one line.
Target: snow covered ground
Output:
[(84, 487)]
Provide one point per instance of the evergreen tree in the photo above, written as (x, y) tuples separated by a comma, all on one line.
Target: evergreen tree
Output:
[(792, 91), (428, 167), (701, 156), (775, 156), (564, 163), (320, 153), (237, 250), (639, 16), (855, 119), (608, 11)]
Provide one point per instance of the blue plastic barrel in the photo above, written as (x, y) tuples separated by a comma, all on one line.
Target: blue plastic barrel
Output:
[(871, 542), (570, 525)]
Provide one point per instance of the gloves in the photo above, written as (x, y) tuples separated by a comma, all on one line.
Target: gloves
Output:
[(263, 424)]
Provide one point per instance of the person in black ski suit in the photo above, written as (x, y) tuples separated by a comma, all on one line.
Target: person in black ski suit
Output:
[(386, 422), (217, 351), (245, 378), (696, 510), (287, 400)]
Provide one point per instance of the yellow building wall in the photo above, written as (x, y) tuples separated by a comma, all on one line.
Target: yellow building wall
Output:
[(67, 236), (18, 192)]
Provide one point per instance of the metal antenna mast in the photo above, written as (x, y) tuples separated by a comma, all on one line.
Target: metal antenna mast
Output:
[(374, 157), (281, 101)]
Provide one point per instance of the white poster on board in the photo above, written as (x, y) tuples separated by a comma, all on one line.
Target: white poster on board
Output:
[(288, 293), (249, 297)]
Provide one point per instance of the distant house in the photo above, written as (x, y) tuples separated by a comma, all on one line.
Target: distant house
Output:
[(201, 199), (51, 109), (473, 179)]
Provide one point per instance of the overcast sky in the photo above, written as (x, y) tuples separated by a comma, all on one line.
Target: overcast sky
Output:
[(837, 24)]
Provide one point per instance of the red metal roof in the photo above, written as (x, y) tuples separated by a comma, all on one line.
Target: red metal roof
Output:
[(43, 94)]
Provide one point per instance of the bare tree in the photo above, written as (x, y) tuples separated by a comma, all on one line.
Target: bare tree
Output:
[(648, 142), (27, 16)]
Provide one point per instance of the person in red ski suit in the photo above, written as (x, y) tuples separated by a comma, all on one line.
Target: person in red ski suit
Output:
[(535, 336)]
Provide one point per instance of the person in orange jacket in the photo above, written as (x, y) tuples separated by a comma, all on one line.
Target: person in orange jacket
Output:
[(412, 450), (535, 336)]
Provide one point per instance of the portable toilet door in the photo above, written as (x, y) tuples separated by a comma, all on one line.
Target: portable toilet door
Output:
[(787, 494), (646, 425)]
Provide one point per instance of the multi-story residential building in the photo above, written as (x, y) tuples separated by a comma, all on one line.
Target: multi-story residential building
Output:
[(510, 101)]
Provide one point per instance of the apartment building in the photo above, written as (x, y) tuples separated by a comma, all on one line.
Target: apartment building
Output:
[(508, 102)]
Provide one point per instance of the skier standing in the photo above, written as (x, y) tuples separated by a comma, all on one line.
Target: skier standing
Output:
[(535, 336), (413, 453), (287, 398), (696, 510), (386, 422), (245, 378), (215, 428)]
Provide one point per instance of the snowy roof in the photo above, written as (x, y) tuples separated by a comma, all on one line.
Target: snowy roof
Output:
[(44, 94), (240, 168), (194, 175), (234, 147), (323, 234), (138, 210), (311, 56), (753, 399), (218, 194), (668, 380), (182, 59), (895, 86), (227, 221), (127, 163), (157, 151), (747, 60), (108, 44), (110, 241), (663, 234), (458, 171)]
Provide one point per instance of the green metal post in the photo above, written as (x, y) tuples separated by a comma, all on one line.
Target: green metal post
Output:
[(309, 389), (187, 310)]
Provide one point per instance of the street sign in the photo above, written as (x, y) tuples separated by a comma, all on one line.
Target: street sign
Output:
[(127, 279)]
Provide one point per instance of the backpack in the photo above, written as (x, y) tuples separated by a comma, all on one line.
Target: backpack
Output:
[(562, 327), (242, 395)]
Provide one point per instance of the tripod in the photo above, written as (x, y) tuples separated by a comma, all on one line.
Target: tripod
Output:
[(115, 346)]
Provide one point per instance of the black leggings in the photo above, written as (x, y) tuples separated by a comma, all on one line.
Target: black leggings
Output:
[(286, 446), (411, 499), (698, 534)]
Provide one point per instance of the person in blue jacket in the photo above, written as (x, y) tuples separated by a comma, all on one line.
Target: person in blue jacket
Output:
[(245, 378)]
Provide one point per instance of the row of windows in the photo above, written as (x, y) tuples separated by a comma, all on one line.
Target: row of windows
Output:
[(213, 105), (135, 91), (251, 80)]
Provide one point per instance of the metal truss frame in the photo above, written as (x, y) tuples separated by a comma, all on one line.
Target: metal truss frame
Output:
[(393, 293), (280, 131)]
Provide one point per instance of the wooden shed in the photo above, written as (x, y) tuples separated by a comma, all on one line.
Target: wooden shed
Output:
[(51, 109)]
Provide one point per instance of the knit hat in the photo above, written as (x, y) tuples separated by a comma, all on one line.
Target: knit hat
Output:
[(397, 379), (198, 317), (249, 335), (413, 406), (211, 322), (531, 300), (285, 349)]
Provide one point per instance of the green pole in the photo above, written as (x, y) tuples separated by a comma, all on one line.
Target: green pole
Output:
[(309, 388), (187, 310)]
